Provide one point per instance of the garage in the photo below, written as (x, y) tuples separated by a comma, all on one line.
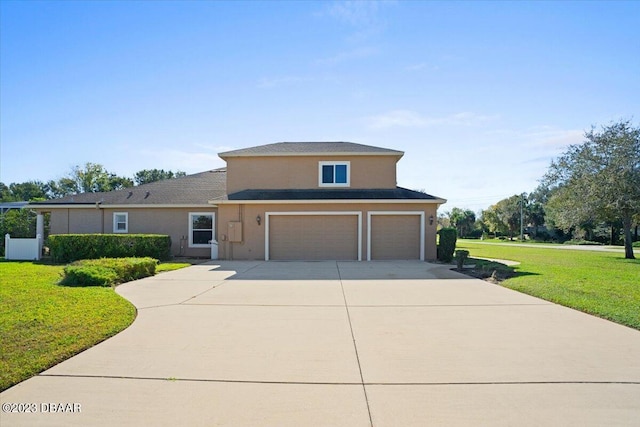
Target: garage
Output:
[(396, 235), (313, 236)]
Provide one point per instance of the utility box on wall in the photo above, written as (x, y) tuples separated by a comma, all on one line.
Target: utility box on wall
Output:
[(234, 231)]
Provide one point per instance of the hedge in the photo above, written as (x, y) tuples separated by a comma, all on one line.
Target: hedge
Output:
[(71, 247), (108, 271), (447, 246)]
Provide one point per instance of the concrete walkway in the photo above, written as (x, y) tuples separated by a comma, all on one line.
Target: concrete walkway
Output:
[(341, 344)]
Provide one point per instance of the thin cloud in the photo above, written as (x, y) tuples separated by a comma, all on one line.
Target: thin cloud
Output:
[(422, 66), (357, 13), (188, 161), (407, 118), (541, 136), (556, 137), (268, 83), (349, 55), (364, 21)]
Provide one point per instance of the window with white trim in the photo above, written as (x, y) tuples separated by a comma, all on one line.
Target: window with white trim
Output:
[(120, 222), (334, 174), (201, 229)]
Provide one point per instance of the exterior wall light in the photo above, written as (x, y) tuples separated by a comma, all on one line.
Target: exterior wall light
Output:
[(258, 219)]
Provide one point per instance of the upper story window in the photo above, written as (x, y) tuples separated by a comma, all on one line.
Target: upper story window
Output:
[(120, 222), (334, 174)]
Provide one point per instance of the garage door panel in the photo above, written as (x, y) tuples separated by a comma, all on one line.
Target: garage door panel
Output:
[(395, 237), (313, 237)]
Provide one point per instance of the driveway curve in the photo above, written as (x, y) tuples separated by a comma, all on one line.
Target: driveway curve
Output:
[(340, 344)]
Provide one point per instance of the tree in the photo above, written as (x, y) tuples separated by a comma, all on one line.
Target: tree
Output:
[(25, 191), (92, 178), (17, 223), (504, 217), (95, 178), (599, 180), (535, 213), (509, 213), (146, 176), (462, 220), (493, 221)]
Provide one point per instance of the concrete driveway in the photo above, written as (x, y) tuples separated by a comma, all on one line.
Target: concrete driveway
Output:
[(341, 344)]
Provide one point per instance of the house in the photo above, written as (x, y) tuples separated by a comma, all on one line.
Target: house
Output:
[(282, 201)]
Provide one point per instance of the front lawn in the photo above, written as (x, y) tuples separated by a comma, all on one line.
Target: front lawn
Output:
[(600, 283), (42, 324)]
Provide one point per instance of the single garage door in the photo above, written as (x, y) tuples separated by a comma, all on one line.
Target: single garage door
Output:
[(395, 237), (313, 237)]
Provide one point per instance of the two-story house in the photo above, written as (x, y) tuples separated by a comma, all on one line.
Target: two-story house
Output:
[(282, 201)]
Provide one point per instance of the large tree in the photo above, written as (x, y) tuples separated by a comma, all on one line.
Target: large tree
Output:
[(510, 214), (599, 180), (91, 178), (25, 191), (463, 220), (492, 220), (146, 176)]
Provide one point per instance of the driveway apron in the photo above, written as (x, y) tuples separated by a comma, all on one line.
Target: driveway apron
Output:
[(340, 344)]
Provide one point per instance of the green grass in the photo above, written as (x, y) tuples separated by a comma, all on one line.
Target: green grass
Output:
[(600, 283), (170, 266), (42, 324)]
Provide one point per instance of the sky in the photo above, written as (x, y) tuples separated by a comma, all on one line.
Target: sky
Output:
[(480, 96)]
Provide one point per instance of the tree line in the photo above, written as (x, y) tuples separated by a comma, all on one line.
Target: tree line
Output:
[(591, 193), (91, 178)]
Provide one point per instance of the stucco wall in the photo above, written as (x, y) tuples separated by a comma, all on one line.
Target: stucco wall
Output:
[(302, 172), (253, 244), (171, 221)]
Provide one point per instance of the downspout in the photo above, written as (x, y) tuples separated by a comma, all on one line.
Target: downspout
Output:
[(99, 207)]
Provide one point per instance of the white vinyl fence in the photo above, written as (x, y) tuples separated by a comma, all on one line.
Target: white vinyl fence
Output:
[(22, 249)]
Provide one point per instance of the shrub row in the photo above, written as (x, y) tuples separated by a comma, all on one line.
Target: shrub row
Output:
[(108, 271), (447, 244), (71, 247)]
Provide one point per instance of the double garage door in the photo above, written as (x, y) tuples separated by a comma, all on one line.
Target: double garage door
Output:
[(338, 236)]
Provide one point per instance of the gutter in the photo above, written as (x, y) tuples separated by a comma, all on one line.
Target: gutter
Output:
[(327, 201)]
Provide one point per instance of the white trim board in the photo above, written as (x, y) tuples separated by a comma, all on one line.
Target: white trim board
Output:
[(316, 213), (422, 228)]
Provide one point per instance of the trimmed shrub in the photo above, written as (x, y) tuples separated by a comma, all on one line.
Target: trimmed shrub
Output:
[(497, 271), (636, 244), (72, 247), (107, 271), (461, 256), (78, 275), (447, 246)]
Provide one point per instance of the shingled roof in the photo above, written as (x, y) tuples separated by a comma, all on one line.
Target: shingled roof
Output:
[(311, 148), (196, 189), (397, 193)]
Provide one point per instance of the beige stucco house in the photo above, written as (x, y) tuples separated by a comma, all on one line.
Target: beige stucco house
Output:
[(282, 201)]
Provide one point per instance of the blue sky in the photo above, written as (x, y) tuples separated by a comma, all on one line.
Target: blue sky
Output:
[(479, 95)]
